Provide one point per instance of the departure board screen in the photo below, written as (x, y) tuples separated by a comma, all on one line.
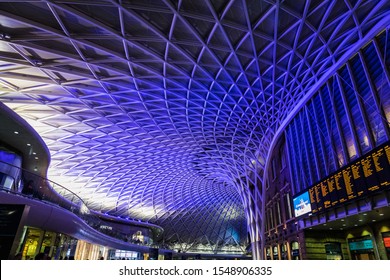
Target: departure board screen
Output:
[(366, 175)]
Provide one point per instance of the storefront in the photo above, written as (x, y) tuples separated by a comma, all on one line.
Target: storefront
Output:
[(333, 251), (295, 251), (361, 248), (52, 245), (386, 243)]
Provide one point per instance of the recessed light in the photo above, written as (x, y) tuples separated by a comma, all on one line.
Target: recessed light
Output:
[(324, 224), (356, 225), (341, 228), (36, 157), (35, 169), (342, 220), (28, 144), (34, 153), (374, 220), (360, 220), (330, 228), (365, 214), (344, 225), (381, 214), (16, 132)]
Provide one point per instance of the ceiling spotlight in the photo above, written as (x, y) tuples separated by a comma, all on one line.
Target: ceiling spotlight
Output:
[(28, 144), (381, 214), (16, 132)]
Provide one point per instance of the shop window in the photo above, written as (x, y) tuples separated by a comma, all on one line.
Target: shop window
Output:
[(268, 253), (361, 248), (386, 243), (284, 251), (333, 251), (288, 206), (278, 212), (275, 252), (273, 169), (295, 250)]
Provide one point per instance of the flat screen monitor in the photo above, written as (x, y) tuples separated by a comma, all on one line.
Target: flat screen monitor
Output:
[(302, 204)]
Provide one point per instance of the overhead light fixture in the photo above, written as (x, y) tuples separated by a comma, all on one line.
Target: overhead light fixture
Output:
[(28, 144), (16, 132)]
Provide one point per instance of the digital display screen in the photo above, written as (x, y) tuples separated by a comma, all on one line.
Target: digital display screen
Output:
[(366, 175), (302, 204), (361, 245)]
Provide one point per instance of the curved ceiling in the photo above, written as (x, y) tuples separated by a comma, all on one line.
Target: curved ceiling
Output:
[(160, 110)]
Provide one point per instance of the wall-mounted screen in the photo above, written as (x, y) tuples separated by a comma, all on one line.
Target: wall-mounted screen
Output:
[(302, 204)]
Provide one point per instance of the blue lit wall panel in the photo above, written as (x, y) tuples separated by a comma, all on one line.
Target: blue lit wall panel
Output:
[(349, 113)]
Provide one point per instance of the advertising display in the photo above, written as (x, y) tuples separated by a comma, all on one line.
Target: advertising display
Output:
[(361, 248), (362, 177), (302, 204), (361, 245)]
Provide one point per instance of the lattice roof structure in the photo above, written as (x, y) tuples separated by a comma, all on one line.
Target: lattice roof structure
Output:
[(165, 111)]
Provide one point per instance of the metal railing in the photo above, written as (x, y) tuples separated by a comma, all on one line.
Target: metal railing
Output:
[(37, 187)]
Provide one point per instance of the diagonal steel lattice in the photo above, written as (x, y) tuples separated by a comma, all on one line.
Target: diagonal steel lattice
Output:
[(165, 111)]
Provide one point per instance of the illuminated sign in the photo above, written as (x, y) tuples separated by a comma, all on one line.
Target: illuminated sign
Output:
[(302, 204), (105, 227), (386, 241), (361, 245), (366, 175)]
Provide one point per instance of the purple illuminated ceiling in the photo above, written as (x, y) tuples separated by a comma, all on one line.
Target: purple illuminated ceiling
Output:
[(164, 111)]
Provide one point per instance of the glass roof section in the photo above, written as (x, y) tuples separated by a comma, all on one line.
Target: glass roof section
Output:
[(164, 111)]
